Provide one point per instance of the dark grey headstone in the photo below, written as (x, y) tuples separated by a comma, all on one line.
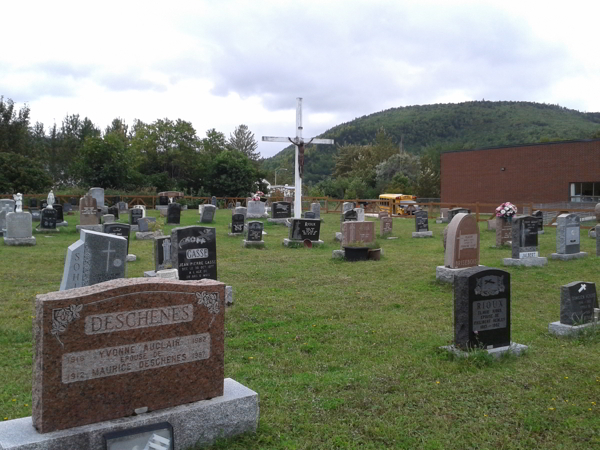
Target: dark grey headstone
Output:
[(482, 308), (174, 214), (118, 229), (237, 223), (568, 234), (540, 216), (67, 207), (59, 213), (421, 221), (194, 252), (255, 230), (213, 201), (163, 200), (303, 229), (281, 210), (145, 223), (163, 258), (134, 215), (48, 219), (123, 207), (73, 201), (524, 237), (577, 302), (33, 203), (114, 210), (310, 215), (208, 213), (454, 211)]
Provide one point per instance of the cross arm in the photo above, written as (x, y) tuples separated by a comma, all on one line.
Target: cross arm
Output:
[(275, 139), (320, 141)]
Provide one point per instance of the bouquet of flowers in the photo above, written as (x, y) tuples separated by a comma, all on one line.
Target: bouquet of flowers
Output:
[(256, 197), (506, 210)]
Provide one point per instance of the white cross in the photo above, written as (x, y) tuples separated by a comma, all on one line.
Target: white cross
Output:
[(299, 164), (108, 251), (582, 288)]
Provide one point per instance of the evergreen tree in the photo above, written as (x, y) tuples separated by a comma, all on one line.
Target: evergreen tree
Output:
[(242, 140)]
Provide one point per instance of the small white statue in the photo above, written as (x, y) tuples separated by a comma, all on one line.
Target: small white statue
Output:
[(50, 200), (19, 202)]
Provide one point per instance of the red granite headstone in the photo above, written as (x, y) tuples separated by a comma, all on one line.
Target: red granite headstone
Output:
[(88, 211), (355, 232), (103, 351), (462, 243)]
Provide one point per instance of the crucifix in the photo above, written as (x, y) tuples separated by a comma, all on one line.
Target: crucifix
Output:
[(108, 251), (299, 160)]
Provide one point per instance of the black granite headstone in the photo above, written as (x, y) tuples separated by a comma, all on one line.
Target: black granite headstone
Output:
[(303, 229), (524, 237), (33, 203), (59, 213), (540, 216), (421, 221), (48, 219), (310, 215), (114, 210), (134, 215), (174, 214), (481, 308), (454, 211), (73, 201), (162, 253), (255, 229), (163, 200), (281, 210), (43, 204), (237, 223), (118, 229), (577, 302), (67, 207), (213, 201), (194, 252)]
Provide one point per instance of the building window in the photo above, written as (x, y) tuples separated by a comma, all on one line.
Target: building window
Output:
[(585, 191)]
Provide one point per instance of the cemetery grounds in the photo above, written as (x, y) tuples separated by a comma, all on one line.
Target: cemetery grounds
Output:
[(345, 355)]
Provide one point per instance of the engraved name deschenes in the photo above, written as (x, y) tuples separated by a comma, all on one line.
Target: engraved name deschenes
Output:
[(111, 361), (141, 318)]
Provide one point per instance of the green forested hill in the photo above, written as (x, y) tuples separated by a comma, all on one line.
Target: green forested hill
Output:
[(464, 125)]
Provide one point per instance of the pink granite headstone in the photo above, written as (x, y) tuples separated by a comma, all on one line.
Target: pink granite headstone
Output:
[(462, 243)]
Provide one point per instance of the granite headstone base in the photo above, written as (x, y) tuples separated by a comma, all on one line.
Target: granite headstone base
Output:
[(149, 273), (422, 234), (147, 235), (292, 243), (257, 216), (30, 241), (561, 329), (445, 274), (253, 244), (234, 234), (198, 423), (285, 221), (47, 230), (64, 223), (568, 256), (514, 348), (97, 228), (537, 261)]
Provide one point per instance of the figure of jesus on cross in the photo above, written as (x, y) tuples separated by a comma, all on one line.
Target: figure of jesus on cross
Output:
[(299, 160)]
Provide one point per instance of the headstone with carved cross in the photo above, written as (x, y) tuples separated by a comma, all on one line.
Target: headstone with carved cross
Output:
[(300, 144)]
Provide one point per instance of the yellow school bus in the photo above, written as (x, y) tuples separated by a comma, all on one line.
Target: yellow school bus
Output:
[(398, 204)]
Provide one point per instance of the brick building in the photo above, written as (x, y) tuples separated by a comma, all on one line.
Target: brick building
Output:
[(540, 173)]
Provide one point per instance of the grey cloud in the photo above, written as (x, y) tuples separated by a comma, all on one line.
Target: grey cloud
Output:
[(127, 82)]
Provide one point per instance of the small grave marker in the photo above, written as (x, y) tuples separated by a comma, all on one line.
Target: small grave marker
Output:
[(577, 302)]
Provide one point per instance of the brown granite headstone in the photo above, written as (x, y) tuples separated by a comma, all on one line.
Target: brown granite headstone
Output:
[(385, 225), (103, 351), (503, 231), (88, 209), (462, 244), (356, 232), (382, 214)]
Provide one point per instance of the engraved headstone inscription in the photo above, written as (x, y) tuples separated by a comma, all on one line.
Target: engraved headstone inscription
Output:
[(88, 211), (194, 252), (237, 223), (310, 215), (134, 215), (281, 210), (118, 229), (255, 230), (316, 208), (503, 231), (303, 229), (482, 308), (462, 242), (48, 219), (577, 303), (98, 350), (163, 259), (421, 221), (567, 234), (358, 232), (94, 258), (385, 225), (524, 237), (173, 214)]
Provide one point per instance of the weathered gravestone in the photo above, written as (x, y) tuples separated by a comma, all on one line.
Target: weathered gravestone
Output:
[(94, 258), (349, 215), (503, 231), (108, 218), (316, 208), (539, 215), (114, 210), (462, 247), (118, 229), (208, 214), (134, 215), (147, 229), (8, 204), (123, 207), (146, 223), (173, 214), (163, 200), (88, 211), (385, 225), (422, 225), (525, 243), (482, 304), (303, 230), (310, 215), (256, 210), (254, 238), (360, 214), (98, 194), (194, 252), (241, 210), (67, 208), (98, 350), (237, 224), (60, 217), (443, 216), (213, 200), (163, 257), (18, 229), (577, 302), (382, 214), (358, 233), (454, 211), (568, 238)]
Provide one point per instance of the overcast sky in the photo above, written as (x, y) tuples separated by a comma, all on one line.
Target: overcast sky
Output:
[(222, 63)]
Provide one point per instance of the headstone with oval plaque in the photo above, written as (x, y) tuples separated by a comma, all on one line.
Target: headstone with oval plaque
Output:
[(525, 243), (194, 252), (568, 238), (118, 229)]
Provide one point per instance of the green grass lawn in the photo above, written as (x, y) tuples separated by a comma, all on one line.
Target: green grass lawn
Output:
[(345, 355)]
